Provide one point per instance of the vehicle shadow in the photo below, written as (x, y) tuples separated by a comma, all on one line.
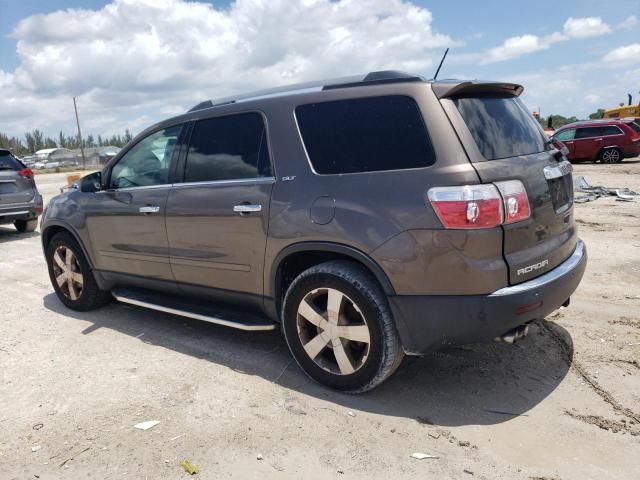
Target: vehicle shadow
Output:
[(480, 384), (9, 234)]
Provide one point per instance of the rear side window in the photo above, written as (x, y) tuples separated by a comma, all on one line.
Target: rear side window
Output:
[(365, 135), (501, 126), (232, 147), (588, 132), (9, 162), (610, 130)]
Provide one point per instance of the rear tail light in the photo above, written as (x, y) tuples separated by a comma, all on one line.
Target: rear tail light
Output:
[(480, 206), (468, 206), (26, 173), (515, 201)]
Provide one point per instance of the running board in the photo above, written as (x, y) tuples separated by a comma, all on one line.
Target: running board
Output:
[(196, 310)]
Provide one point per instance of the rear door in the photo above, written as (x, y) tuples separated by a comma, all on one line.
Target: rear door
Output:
[(14, 187), (504, 142), (217, 216), (588, 142)]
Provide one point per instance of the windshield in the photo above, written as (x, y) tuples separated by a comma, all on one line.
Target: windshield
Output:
[(501, 126)]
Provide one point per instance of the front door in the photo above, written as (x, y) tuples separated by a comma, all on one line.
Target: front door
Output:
[(217, 217), (126, 220)]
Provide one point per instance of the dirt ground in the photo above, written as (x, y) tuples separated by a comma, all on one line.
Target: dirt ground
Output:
[(562, 404)]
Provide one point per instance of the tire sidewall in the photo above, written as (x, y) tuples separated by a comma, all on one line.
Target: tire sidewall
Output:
[(371, 312)]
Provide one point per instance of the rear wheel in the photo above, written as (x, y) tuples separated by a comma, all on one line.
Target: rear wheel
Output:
[(71, 276), (25, 226), (611, 155), (339, 327)]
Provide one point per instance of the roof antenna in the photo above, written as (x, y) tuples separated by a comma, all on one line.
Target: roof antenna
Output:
[(441, 62)]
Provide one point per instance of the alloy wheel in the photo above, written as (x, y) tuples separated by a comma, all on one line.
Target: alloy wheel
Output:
[(333, 331), (611, 156), (67, 273)]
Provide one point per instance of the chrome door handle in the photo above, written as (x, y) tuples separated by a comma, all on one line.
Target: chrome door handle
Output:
[(149, 209), (247, 208)]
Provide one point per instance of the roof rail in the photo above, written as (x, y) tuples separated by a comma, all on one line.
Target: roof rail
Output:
[(378, 78)]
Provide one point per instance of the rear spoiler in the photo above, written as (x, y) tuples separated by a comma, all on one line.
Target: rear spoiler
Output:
[(446, 90)]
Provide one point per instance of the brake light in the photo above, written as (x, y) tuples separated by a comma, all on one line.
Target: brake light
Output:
[(26, 173), (467, 206), (515, 201)]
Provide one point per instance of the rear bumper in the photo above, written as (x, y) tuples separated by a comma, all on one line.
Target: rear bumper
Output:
[(427, 323), (21, 211)]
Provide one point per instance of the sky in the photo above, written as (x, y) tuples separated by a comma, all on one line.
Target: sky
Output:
[(131, 63)]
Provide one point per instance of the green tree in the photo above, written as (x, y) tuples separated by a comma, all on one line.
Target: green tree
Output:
[(597, 114)]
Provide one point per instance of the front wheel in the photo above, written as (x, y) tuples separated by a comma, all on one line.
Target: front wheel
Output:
[(71, 275), (339, 328)]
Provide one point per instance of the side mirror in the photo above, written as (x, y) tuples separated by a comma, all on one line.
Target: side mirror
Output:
[(91, 183)]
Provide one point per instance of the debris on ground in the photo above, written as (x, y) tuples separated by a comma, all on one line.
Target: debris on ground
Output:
[(580, 184), (259, 457), (422, 456), (38, 426), (35, 448), (72, 457), (189, 467), (351, 414), (435, 435), (146, 425)]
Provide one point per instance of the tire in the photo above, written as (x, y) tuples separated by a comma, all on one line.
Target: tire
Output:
[(610, 155), (78, 290), (364, 311), (26, 226)]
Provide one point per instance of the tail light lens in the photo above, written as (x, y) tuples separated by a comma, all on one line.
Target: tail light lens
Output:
[(515, 201), (26, 173), (468, 206), (480, 206)]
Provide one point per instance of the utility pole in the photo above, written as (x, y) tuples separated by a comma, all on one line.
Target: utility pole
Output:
[(84, 162)]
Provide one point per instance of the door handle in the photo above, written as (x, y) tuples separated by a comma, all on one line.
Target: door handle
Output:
[(149, 209), (247, 208)]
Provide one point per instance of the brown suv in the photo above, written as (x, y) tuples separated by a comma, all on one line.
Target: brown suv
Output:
[(369, 216)]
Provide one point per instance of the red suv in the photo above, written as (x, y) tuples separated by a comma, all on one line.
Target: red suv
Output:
[(608, 140)]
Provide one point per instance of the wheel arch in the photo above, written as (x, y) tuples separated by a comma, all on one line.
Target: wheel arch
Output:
[(57, 226), (294, 259), (610, 147)]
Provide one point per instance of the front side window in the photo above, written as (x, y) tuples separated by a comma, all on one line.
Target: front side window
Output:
[(148, 161), (501, 126), (365, 135), (232, 147), (565, 135)]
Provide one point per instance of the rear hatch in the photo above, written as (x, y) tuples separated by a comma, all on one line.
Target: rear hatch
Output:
[(504, 142), (16, 186)]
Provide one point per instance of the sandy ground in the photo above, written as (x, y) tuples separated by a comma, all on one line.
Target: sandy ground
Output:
[(562, 404)]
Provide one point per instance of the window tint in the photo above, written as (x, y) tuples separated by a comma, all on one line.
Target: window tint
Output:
[(588, 132), (365, 135), (9, 162), (148, 161), (501, 126), (635, 126), (610, 130), (233, 147), (565, 135)]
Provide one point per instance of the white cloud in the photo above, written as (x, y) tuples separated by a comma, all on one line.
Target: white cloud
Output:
[(628, 54), (518, 46), (629, 22), (152, 58), (585, 27)]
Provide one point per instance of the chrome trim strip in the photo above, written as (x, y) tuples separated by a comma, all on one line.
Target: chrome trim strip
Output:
[(196, 316), (8, 214), (128, 189), (260, 180), (561, 270)]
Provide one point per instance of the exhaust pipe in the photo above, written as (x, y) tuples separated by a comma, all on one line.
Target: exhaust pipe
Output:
[(512, 336)]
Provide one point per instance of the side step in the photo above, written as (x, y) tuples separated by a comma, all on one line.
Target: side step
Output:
[(193, 309)]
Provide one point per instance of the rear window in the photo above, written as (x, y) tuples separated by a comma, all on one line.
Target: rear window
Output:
[(635, 126), (501, 126), (9, 162), (365, 135)]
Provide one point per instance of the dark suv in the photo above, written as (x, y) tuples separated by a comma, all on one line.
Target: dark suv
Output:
[(20, 202), (369, 216), (609, 140)]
